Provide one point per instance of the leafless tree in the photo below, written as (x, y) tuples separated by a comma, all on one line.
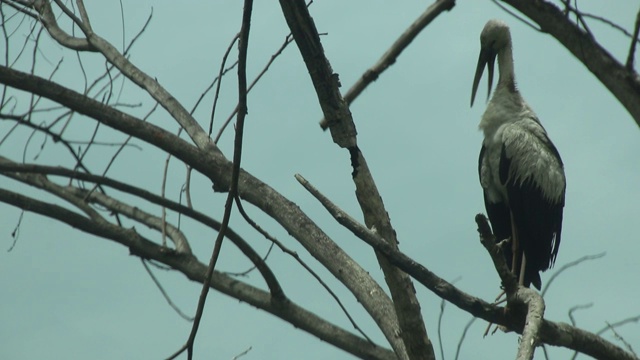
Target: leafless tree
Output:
[(107, 207)]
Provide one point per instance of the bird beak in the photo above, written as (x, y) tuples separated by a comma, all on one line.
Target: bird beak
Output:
[(487, 56)]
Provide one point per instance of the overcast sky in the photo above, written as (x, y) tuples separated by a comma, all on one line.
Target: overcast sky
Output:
[(71, 295)]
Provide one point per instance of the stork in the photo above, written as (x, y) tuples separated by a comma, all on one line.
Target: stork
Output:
[(520, 169)]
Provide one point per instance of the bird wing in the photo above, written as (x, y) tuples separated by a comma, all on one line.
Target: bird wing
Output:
[(498, 212), (532, 172)]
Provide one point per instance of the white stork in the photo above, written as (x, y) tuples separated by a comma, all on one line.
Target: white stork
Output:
[(520, 169)]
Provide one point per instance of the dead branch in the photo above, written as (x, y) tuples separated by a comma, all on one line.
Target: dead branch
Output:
[(634, 42), (235, 173), (551, 333), (343, 131), (137, 76), (195, 270), (622, 82), (533, 322), (391, 55), (211, 163)]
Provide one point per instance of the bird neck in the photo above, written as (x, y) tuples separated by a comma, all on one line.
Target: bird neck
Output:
[(505, 67)]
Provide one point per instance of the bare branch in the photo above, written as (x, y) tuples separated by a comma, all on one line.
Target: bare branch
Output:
[(195, 270), (302, 263), (343, 131), (221, 72), (9, 166), (134, 213), (437, 285), (286, 42), (558, 334), (235, 172), (576, 308), (391, 55), (164, 293), (621, 82), (533, 323), (464, 334), (212, 164), (48, 19), (159, 93), (523, 20), (567, 266), (488, 240), (41, 182), (634, 41)]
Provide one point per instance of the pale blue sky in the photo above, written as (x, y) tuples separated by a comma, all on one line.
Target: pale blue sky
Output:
[(70, 295)]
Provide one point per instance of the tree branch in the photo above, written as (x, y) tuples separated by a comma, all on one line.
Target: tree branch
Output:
[(417, 344), (270, 279), (48, 19), (150, 85), (622, 82), (533, 322), (195, 270), (558, 334), (212, 164), (235, 171), (391, 55)]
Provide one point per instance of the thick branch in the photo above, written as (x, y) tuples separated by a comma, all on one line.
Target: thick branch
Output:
[(325, 82), (558, 334), (533, 322), (8, 166), (48, 19), (622, 82), (336, 111), (488, 240), (134, 213), (195, 270), (212, 164), (391, 55)]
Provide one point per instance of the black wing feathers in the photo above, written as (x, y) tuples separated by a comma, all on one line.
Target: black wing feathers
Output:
[(537, 219), (499, 217)]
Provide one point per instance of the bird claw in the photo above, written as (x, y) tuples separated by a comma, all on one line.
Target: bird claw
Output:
[(502, 243)]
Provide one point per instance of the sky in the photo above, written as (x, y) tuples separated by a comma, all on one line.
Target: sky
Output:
[(70, 295)]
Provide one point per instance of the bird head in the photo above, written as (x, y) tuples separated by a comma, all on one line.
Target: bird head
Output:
[(494, 37)]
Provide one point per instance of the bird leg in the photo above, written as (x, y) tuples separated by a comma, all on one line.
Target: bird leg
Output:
[(515, 247), (524, 263)]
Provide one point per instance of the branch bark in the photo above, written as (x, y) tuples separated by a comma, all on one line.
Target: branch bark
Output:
[(557, 334), (622, 82), (391, 55), (211, 163), (21, 171), (417, 344), (195, 270)]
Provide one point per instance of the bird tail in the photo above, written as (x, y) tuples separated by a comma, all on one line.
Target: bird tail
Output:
[(532, 276)]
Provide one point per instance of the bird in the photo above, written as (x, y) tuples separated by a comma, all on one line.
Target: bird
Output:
[(520, 169)]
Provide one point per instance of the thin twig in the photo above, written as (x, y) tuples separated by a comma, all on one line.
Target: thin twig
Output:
[(164, 293), (464, 334), (303, 264), (634, 40), (576, 308), (242, 354), (633, 319), (443, 304), (287, 41), (523, 20), (237, 156), (392, 54), (569, 265), (219, 79), (621, 339), (15, 234)]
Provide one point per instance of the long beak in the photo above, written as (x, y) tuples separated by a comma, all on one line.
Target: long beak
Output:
[(487, 56)]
